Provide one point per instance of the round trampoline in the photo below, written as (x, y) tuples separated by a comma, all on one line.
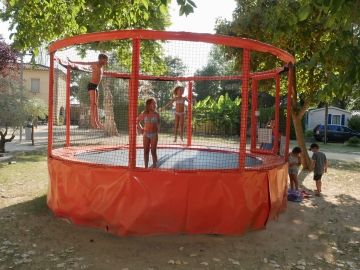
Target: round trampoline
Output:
[(171, 158), (227, 174)]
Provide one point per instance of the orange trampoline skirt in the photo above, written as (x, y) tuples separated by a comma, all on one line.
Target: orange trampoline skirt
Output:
[(145, 202)]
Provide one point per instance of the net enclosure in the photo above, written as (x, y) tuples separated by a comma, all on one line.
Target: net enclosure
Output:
[(165, 132)]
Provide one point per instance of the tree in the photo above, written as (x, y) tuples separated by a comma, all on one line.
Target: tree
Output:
[(11, 116), (162, 90), (218, 65), (323, 36), (34, 109), (39, 22)]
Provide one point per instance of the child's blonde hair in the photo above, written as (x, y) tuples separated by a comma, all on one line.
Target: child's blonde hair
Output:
[(177, 88)]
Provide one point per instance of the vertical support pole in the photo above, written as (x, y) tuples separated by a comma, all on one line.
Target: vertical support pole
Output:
[(67, 112), (277, 115), (189, 116), (51, 105), (244, 107), (133, 101), (291, 84), (254, 108)]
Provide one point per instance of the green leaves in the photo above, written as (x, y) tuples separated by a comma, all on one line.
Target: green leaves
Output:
[(304, 13), (39, 22), (186, 7)]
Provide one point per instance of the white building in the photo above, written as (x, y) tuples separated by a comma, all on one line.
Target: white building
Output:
[(336, 116)]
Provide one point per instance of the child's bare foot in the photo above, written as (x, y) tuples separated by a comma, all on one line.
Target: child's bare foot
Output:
[(182, 139), (175, 139)]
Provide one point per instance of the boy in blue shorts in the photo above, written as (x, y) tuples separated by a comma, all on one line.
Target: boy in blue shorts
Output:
[(319, 165)]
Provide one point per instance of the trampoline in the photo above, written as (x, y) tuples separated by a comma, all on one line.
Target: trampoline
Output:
[(218, 180), (172, 158)]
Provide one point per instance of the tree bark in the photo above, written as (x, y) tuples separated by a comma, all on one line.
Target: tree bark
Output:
[(300, 138), (109, 125), (3, 139), (32, 135), (297, 113)]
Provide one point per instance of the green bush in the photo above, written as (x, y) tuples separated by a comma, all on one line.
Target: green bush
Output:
[(354, 123), (223, 114), (353, 141), (309, 134)]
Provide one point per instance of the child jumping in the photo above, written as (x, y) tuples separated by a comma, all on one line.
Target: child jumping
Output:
[(150, 130), (179, 101), (319, 165), (294, 163), (96, 75)]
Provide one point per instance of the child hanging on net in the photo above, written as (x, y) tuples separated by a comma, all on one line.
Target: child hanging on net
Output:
[(96, 75), (151, 120), (179, 101)]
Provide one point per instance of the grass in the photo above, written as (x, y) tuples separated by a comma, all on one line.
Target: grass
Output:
[(28, 167)]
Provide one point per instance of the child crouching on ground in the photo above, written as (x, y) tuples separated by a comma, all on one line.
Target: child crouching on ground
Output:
[(294, 163)]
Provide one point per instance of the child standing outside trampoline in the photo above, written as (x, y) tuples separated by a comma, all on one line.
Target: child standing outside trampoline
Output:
[(319, 164), (151, 121), (294, 163), (179, 101), (96, 75)]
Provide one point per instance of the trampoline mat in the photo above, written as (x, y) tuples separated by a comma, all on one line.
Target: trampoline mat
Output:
[(171, 158)]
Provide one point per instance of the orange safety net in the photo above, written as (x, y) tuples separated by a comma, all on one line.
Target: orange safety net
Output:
[(140, 202)]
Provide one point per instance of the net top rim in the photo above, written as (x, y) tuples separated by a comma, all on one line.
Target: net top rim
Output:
[(239, 42)]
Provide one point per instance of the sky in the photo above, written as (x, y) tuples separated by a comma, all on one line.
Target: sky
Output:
[(204, 17)]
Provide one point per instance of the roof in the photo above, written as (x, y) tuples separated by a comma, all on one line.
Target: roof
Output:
[(330, 107), (35, 66), (30, 66)]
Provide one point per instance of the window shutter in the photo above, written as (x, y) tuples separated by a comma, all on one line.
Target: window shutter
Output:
[(343, 119), (329, 118)]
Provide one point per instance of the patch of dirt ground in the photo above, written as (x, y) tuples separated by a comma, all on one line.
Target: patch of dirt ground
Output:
[(318, 233)]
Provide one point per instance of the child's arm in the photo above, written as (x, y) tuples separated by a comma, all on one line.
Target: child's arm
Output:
[(138, 120), (158, 123), (169, 103), (326, 166), (82, 63)]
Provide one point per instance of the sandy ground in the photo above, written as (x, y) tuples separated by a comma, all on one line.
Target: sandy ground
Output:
[(318, 233)]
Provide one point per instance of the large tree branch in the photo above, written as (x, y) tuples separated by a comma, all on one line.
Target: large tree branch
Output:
[(9, 139), (6, 130)]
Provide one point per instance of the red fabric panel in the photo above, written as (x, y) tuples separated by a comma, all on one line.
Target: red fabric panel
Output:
[(142, 202), (278, 190)]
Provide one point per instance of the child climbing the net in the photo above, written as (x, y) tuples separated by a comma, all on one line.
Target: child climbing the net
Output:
[(151, 121), (97, 69), (179, 101)]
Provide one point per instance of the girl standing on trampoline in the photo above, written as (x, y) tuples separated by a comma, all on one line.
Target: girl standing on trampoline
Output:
[(151, 120), (179, 101)]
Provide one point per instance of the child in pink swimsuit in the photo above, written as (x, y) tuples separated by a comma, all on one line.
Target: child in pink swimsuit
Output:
[(151, 120), (179, 101)]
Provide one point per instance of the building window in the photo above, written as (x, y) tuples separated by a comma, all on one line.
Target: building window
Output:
[(35, 85), (336, 119)]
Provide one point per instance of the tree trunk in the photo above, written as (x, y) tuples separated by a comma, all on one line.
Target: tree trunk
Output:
[(109, 125), (2, 146), (326, 123), (300, 138), (3, 139), (32, 135)]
